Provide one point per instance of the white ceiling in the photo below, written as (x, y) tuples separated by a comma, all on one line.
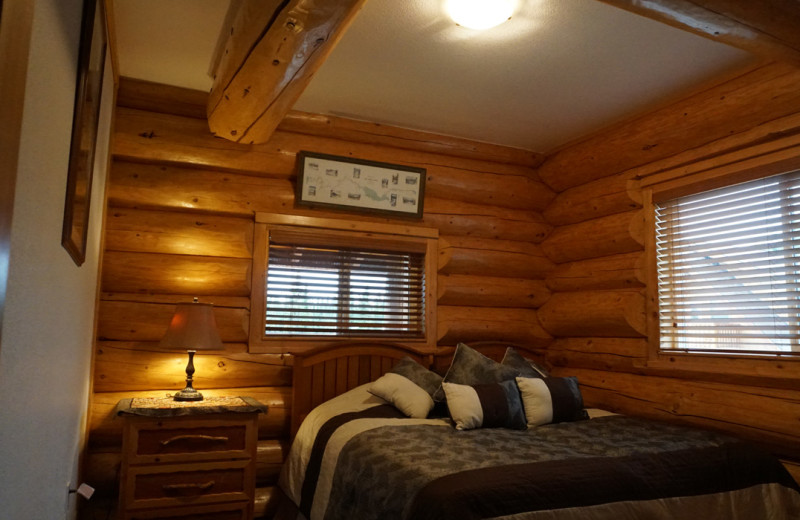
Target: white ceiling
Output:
[(559, 69)]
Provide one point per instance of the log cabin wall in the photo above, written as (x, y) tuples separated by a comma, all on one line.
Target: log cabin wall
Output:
[(180, 224), (597, 309)]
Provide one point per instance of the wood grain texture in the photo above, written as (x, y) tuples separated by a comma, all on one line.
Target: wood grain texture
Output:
[(143, 321), (178, 233), (386, 135), (615, 314), (600, 198), (485, 291), (624, 271), (464, 255), (164, 139), (164, 99), (106, 429), (765, 416), (600, 237), (102, 465), (469, 324), (175, 274), (767, 28), (755, 97), (136, 366), (249, 98), (610, 354)]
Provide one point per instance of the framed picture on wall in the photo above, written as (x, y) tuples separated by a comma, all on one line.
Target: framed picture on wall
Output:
[(343, 183), (91, 59)]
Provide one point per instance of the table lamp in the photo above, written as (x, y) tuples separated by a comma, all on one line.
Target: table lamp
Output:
[(192, 328)]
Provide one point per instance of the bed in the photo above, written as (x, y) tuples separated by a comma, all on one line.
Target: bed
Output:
[(356, 455)]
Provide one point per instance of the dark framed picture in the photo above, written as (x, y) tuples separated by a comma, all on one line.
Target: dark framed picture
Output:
[(91, 59), (342, 183)]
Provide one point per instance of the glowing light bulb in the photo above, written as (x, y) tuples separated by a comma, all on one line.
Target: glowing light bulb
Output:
[(480, 14)]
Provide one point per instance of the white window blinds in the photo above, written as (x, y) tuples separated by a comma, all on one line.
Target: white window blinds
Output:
[(728, 269), (339, 291)]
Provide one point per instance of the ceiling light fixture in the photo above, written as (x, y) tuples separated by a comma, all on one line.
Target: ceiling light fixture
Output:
[(480, 14)]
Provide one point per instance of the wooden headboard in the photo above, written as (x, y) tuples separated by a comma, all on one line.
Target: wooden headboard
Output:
[(323, 373)]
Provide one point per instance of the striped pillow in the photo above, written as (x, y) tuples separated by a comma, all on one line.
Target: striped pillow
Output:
[(495, 405), (551, 400)]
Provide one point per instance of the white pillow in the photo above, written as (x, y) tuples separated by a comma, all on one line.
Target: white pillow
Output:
[(551, 400), (404, 394), (464, 405), (536, 401)]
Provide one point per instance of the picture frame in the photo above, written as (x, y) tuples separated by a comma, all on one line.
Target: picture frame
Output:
[(86, 115), (342, 183)]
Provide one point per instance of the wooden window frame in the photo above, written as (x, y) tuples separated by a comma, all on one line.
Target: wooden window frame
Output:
[(766, 370), (354, 232)]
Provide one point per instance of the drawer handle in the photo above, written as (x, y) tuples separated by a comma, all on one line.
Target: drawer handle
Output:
[(183, 488), (208, 438)]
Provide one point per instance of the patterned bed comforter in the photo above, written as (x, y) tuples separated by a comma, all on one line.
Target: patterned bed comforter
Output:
[(356, 457)]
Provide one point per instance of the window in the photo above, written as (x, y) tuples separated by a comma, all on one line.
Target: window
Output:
[(728, 266), (322, 280), (321, 291)]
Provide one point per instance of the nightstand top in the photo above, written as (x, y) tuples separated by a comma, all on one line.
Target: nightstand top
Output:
[(167, 407)]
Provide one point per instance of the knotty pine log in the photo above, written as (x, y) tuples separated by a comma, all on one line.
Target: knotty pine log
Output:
[(488, 291), (159, 187), (600, 237), (105, 428), (600, 198), (250, 98), (175, 274), (166, 99), (758, 95), (768, 30), (142, 321), (625, 271), (102, 465), (386, 135), (614, 314), (457, 324), (611, 354), (137, 366), (453, 217), (248, 21), (725, 149), (763, 415), (482, 257), (177, 233), (172, 140)]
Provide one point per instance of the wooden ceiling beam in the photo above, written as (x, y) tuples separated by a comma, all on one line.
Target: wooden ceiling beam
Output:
[(271, 51), (767, 28)]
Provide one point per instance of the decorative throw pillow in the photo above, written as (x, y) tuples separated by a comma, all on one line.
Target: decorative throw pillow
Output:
[(495, 405), (403, 394), (551, 400), (419, 375), (409, 387), (470, 367), (526, 367)]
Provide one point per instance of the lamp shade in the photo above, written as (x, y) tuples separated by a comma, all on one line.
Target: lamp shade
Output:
[(193, 327)]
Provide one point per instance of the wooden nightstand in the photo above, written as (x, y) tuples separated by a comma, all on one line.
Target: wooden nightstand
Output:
[(188, 460)]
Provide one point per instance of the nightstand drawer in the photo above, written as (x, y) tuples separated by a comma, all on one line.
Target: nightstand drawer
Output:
[(192, 439), (238, 511), (187, 484)]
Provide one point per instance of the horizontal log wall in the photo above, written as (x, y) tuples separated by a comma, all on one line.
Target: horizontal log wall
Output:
[(181, 223), (597, 308)]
